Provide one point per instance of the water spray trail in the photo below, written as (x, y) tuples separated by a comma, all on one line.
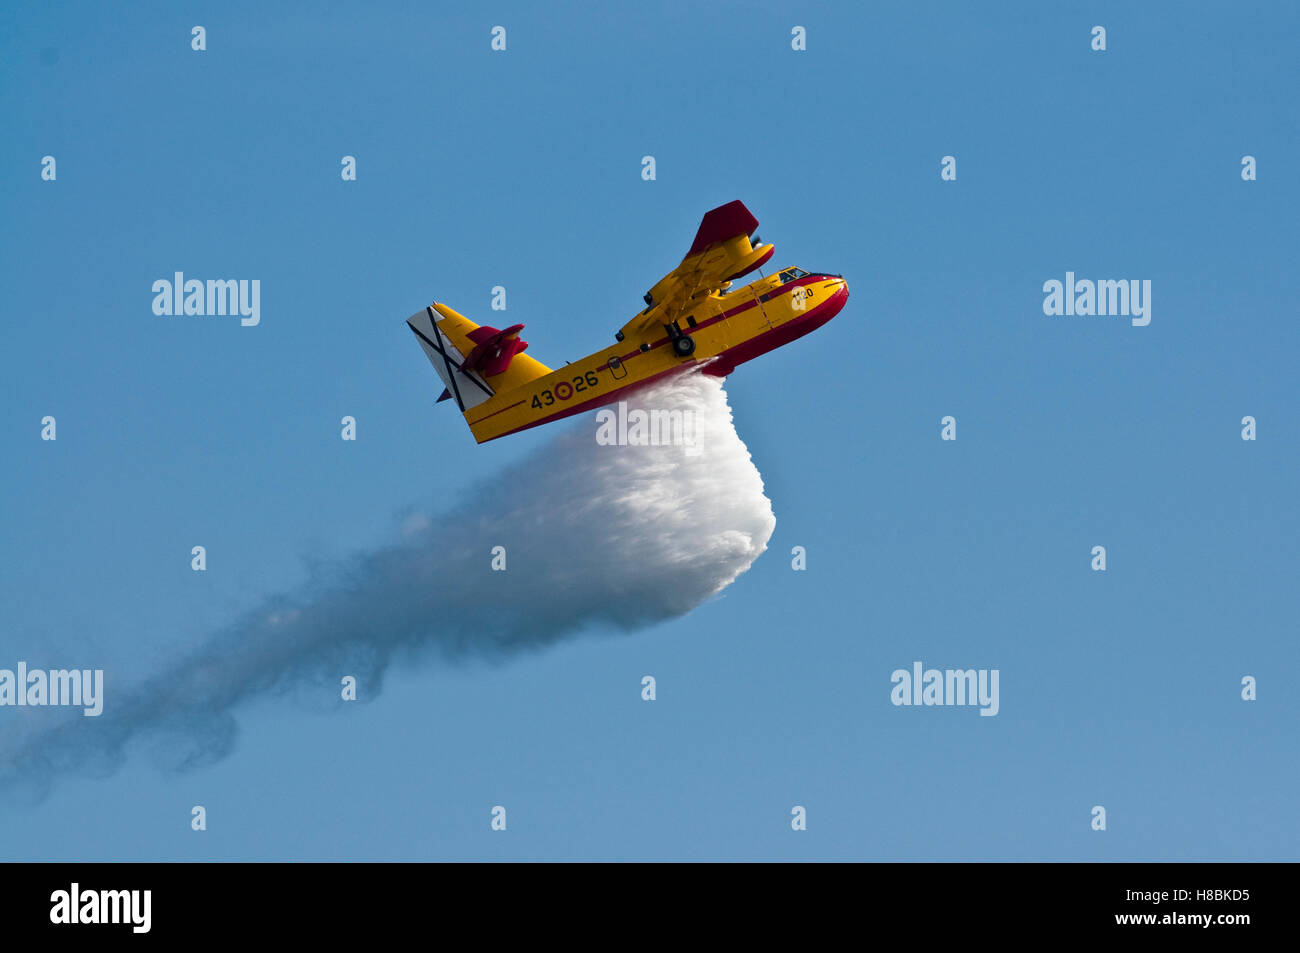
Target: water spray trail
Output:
[(599, 536)]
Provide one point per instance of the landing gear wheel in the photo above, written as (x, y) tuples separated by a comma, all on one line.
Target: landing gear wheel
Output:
[(684, 345)]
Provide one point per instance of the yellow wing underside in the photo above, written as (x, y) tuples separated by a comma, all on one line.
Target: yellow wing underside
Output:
[(697, 277)]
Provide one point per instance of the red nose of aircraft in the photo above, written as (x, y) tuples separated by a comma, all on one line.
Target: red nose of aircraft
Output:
[(839, 296)]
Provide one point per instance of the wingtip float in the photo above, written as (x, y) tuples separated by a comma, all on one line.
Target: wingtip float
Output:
[(694, 318)]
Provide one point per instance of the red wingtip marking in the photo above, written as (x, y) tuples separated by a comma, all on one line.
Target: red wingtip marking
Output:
[(721, 223)]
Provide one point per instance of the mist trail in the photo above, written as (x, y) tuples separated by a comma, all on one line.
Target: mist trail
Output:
[(594, 536)]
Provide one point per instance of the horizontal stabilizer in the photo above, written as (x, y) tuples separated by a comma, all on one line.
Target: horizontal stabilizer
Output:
[(497, 357), (466, 387), (494, 350)]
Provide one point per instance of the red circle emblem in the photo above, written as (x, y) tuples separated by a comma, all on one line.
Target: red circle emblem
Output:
[(564, 390)]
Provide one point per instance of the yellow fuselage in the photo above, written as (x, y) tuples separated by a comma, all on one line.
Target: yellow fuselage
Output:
[(727, 329)]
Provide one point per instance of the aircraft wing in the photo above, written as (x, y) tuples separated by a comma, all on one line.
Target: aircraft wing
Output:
[(722, 251)]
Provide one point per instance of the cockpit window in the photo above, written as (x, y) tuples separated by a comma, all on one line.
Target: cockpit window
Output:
[(791, 274)]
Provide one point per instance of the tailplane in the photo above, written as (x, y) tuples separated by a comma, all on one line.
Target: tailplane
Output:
[(475, 362)]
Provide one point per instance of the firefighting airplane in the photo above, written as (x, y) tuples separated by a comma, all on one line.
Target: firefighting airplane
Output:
[(694, 318)]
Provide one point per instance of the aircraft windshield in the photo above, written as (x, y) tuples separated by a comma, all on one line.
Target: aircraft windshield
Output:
[(791, 274)]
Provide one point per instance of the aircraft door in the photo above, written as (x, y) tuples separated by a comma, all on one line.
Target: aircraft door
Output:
[(764, 323)]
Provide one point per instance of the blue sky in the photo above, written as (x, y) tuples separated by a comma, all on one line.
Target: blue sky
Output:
[(522, 169)]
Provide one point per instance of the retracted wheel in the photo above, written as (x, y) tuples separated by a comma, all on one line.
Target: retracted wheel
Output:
[(684, 345)]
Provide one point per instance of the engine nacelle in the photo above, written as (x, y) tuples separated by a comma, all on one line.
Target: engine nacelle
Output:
[(755, 258)]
